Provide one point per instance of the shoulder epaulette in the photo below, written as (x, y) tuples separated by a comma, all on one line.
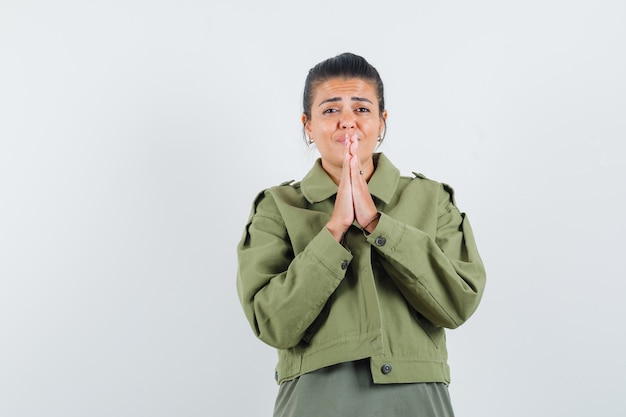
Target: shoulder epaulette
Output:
[(286, 183), (450, 191), (445, 186)]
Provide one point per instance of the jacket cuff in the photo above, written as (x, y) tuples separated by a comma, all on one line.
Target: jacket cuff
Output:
[(386, 235), (330, 253)]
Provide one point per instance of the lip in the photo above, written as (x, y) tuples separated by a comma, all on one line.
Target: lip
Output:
[(344, 137)]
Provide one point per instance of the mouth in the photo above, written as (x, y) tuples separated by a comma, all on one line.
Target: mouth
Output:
[(346, 137)]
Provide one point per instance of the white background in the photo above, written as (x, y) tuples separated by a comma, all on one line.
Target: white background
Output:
[(135, 134)]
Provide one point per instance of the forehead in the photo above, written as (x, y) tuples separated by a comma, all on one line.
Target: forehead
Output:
[(339, 87)]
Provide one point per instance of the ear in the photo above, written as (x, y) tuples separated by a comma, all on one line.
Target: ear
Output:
[(383, 119), (306, 123)]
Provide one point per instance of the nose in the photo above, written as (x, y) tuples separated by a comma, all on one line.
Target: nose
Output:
[(347, 121)]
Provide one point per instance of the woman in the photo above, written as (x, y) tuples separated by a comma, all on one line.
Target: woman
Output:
[(354, 272)]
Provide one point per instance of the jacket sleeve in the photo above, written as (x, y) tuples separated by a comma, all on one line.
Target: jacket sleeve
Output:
[(282, 293), (442, 277)]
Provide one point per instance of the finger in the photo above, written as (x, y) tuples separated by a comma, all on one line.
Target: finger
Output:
[(343, 212), (355, 171), (355, 166), (346, 169), (364, 206), (354, 145)]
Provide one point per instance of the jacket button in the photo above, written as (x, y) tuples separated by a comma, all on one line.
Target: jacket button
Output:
[(344, 265), (380, 241), (386, 368)]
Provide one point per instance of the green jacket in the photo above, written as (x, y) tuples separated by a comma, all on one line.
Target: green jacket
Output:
[(386, 296)]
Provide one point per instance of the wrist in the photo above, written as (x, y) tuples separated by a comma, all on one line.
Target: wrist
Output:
[(336, 232), (369, 227)]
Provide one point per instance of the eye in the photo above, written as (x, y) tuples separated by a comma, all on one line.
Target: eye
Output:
[(362, 110), (329, 111)]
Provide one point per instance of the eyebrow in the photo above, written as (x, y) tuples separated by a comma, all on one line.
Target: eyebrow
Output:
[(334, 99)]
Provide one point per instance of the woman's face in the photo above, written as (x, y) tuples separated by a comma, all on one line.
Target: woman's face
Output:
[(344, 106)]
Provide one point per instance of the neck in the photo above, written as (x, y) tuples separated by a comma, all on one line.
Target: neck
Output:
[(333, 172)]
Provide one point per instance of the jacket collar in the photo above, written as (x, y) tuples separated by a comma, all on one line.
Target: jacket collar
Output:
[(317, 185)]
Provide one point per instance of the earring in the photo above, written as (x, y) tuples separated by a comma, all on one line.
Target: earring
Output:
[(383, 133), (310, 141)]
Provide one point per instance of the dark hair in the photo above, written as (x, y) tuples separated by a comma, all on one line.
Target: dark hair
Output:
[(346, 65)]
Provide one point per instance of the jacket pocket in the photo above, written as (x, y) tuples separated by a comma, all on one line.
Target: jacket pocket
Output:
[(435, 334), (317, 323)]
